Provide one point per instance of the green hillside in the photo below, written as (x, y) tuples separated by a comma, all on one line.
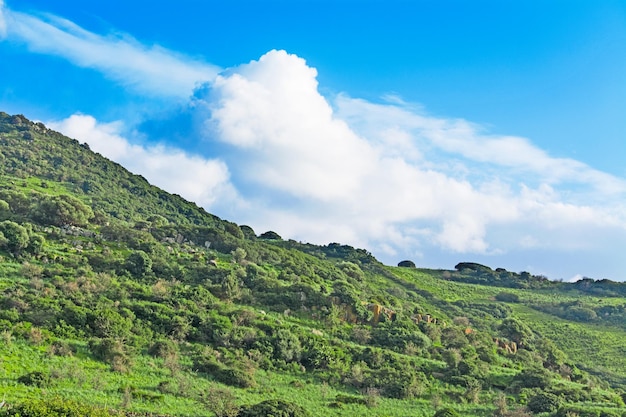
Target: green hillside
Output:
[(119, 299)]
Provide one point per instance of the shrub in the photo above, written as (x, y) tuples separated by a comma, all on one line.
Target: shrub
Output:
[(163, 349), (15, 236), (221, 402), (139, 263), (580, 314), (406, 264), (472, 266), (446, 412), (230, 376), (533, 378), (507, 297), (54, 408), (274, 408), (35, 379), (516, 330), (397, 335), (581, 411), (112, 352), (62, 210), (235, 377), (544, 402), (61, 348), (270, 235)]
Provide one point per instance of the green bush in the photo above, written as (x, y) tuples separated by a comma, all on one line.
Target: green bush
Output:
[(507, 297), (56, 407), (235, 377), (35, 379), (111, 351), (581, 411), (544, 402), (15, 236), (139, 264), (229, 376), (61, 348), (406, 264), (533, 378), (163, 349), (446, 412), (274, 408)]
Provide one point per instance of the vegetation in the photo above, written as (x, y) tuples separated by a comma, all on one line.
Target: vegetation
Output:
[(119, 299)]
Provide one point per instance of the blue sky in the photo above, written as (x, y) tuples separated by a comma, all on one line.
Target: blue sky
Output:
[(440, 132)]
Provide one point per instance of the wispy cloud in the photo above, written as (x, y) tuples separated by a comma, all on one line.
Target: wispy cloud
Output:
[(3, 23), (151, 70), (469, 141)]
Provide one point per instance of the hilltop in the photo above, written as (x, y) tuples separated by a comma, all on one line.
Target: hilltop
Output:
[(118, 298)]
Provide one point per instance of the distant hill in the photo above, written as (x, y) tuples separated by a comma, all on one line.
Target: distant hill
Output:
[(118, 298)]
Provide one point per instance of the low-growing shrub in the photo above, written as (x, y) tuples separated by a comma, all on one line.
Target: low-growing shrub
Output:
[(54, 408), (235, 377), (507, 297), (113, 352), (35, 379), (581, 411), (274, 408), (446, 412), (544, 402), (61, 348), (230, 376)]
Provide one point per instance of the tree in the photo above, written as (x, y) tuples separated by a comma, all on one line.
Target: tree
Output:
[(5, 210), (516, 330), (406, 264), (248, 232), (270, 235), (472, 266), (15, 236), (62, 210), (239, 255), (19, 203)]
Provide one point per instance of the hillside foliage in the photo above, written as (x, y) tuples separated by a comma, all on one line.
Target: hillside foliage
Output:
[(119, 299)]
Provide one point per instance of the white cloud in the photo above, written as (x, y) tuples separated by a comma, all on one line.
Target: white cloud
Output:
[(575, 278), (389, 176), (151, 70), (271, 107), (194, 178), (384, 176), (462, 138), (3, 23)]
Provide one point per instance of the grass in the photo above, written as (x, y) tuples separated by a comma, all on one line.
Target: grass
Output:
[(81, 378)]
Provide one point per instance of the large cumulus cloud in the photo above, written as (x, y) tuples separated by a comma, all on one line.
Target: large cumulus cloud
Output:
[(387, 175)]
